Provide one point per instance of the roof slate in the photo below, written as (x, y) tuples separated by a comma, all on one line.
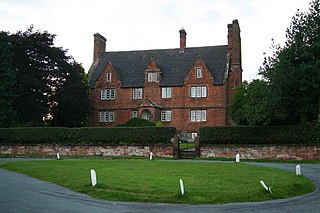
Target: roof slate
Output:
[(173, 65)]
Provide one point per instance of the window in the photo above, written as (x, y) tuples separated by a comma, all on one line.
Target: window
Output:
[(107, 94), (152, 77), (166, 115), (198, 92), (198, 115), (199, 72), (134, 114), (137, 93), (166, 92), (106, 116), (108, 77)]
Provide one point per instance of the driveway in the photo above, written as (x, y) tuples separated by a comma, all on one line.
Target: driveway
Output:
[(20, 193)]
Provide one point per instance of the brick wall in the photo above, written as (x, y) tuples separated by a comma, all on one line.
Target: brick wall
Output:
[(162, 151), (281, 152)]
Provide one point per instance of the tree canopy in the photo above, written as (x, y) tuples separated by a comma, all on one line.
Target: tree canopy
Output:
[(42, 72), (292, 73)]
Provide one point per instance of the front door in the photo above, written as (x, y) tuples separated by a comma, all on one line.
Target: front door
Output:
[(146, 114)]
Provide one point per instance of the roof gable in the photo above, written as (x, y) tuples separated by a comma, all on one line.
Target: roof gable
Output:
[(174, 66)]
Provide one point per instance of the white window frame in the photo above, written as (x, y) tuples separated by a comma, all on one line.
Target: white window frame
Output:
[(199, 72), (107, 94), (134, 114), (198, 92), (166, 92), (198, 115), (152, 77), (108, 77), (137, 93), (166, 115), (106, 116)]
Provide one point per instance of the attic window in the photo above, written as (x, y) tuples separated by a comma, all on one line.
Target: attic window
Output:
[(108, 77), (153, 77), (199, 72)]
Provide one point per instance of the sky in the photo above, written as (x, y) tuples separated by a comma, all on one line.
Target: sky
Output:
[(155, 24)]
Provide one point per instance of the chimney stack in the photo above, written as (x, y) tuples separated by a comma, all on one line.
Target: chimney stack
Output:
[(183, 38), (99, 45)]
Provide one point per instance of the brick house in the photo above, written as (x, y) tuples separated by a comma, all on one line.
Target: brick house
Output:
[(183, 87)]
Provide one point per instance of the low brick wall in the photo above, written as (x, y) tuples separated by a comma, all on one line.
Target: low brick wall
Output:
[(281, 152), (162, 151)]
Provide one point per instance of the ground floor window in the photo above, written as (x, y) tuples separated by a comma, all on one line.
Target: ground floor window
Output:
[(134, 114), (106, 116), (166, 115), (198, 115)]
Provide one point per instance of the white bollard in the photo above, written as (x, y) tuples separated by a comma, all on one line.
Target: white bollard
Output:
[(298, 170), (58, 156), (93, 177), (265, 186), (151, 155), (237, 158), (181, 187)]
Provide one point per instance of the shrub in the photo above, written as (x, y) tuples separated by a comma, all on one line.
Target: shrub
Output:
[(88, 136), (159, 124), (135, 122), (256, 135)]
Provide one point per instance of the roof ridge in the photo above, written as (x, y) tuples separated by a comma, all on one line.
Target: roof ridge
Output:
[(120, 51)]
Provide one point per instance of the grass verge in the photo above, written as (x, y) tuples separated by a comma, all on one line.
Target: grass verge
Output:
[(158, 181)]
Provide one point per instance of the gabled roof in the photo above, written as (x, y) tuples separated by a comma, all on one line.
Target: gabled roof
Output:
[(174, 66)]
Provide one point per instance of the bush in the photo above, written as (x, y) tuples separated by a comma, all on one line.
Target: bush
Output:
[(88, 136), (135, 122), (257, 135)]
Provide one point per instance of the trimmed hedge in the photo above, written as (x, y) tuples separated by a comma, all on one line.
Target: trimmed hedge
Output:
[(88, 136), (259, 135)]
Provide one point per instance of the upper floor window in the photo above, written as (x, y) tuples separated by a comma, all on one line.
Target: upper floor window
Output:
[(108, 77), (198, 92), (137, 93), (107, 94), (199, 72), (106, 116), (153, 77), (198, 115), (166, 92), (166, 115)]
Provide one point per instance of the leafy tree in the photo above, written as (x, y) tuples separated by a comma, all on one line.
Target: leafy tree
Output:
[(41, 70), (7, 80), (253, 104), (72, 99), (293, 71), (47, 81)]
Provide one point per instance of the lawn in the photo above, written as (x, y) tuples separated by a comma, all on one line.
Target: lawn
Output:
[(158, 181)]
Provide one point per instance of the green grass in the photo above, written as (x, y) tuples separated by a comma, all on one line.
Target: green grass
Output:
[(158, 181), (186, 145)]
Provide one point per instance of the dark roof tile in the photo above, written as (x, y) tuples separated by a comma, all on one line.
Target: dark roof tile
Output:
[(174, 66)]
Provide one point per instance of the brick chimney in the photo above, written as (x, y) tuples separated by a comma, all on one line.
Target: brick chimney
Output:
[(99, 45), (183, 38), (234, 42)]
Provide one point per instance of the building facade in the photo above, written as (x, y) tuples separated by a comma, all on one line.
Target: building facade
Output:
[(182, 87)]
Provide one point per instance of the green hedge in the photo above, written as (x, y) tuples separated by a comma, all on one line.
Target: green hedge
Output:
[(259, 135), (88, 136)]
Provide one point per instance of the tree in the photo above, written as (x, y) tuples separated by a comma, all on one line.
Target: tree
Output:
[(41, 70), (46, 78), (7, 80), (253, 104), (72, 99), (293, 71)]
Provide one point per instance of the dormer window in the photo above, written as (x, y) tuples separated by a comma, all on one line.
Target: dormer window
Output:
[(199, 72), (153, 77)]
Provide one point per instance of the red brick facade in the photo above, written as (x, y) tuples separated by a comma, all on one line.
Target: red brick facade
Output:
[(199, 101)]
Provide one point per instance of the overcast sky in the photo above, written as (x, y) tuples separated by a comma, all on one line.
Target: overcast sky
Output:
[(154, 24)]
